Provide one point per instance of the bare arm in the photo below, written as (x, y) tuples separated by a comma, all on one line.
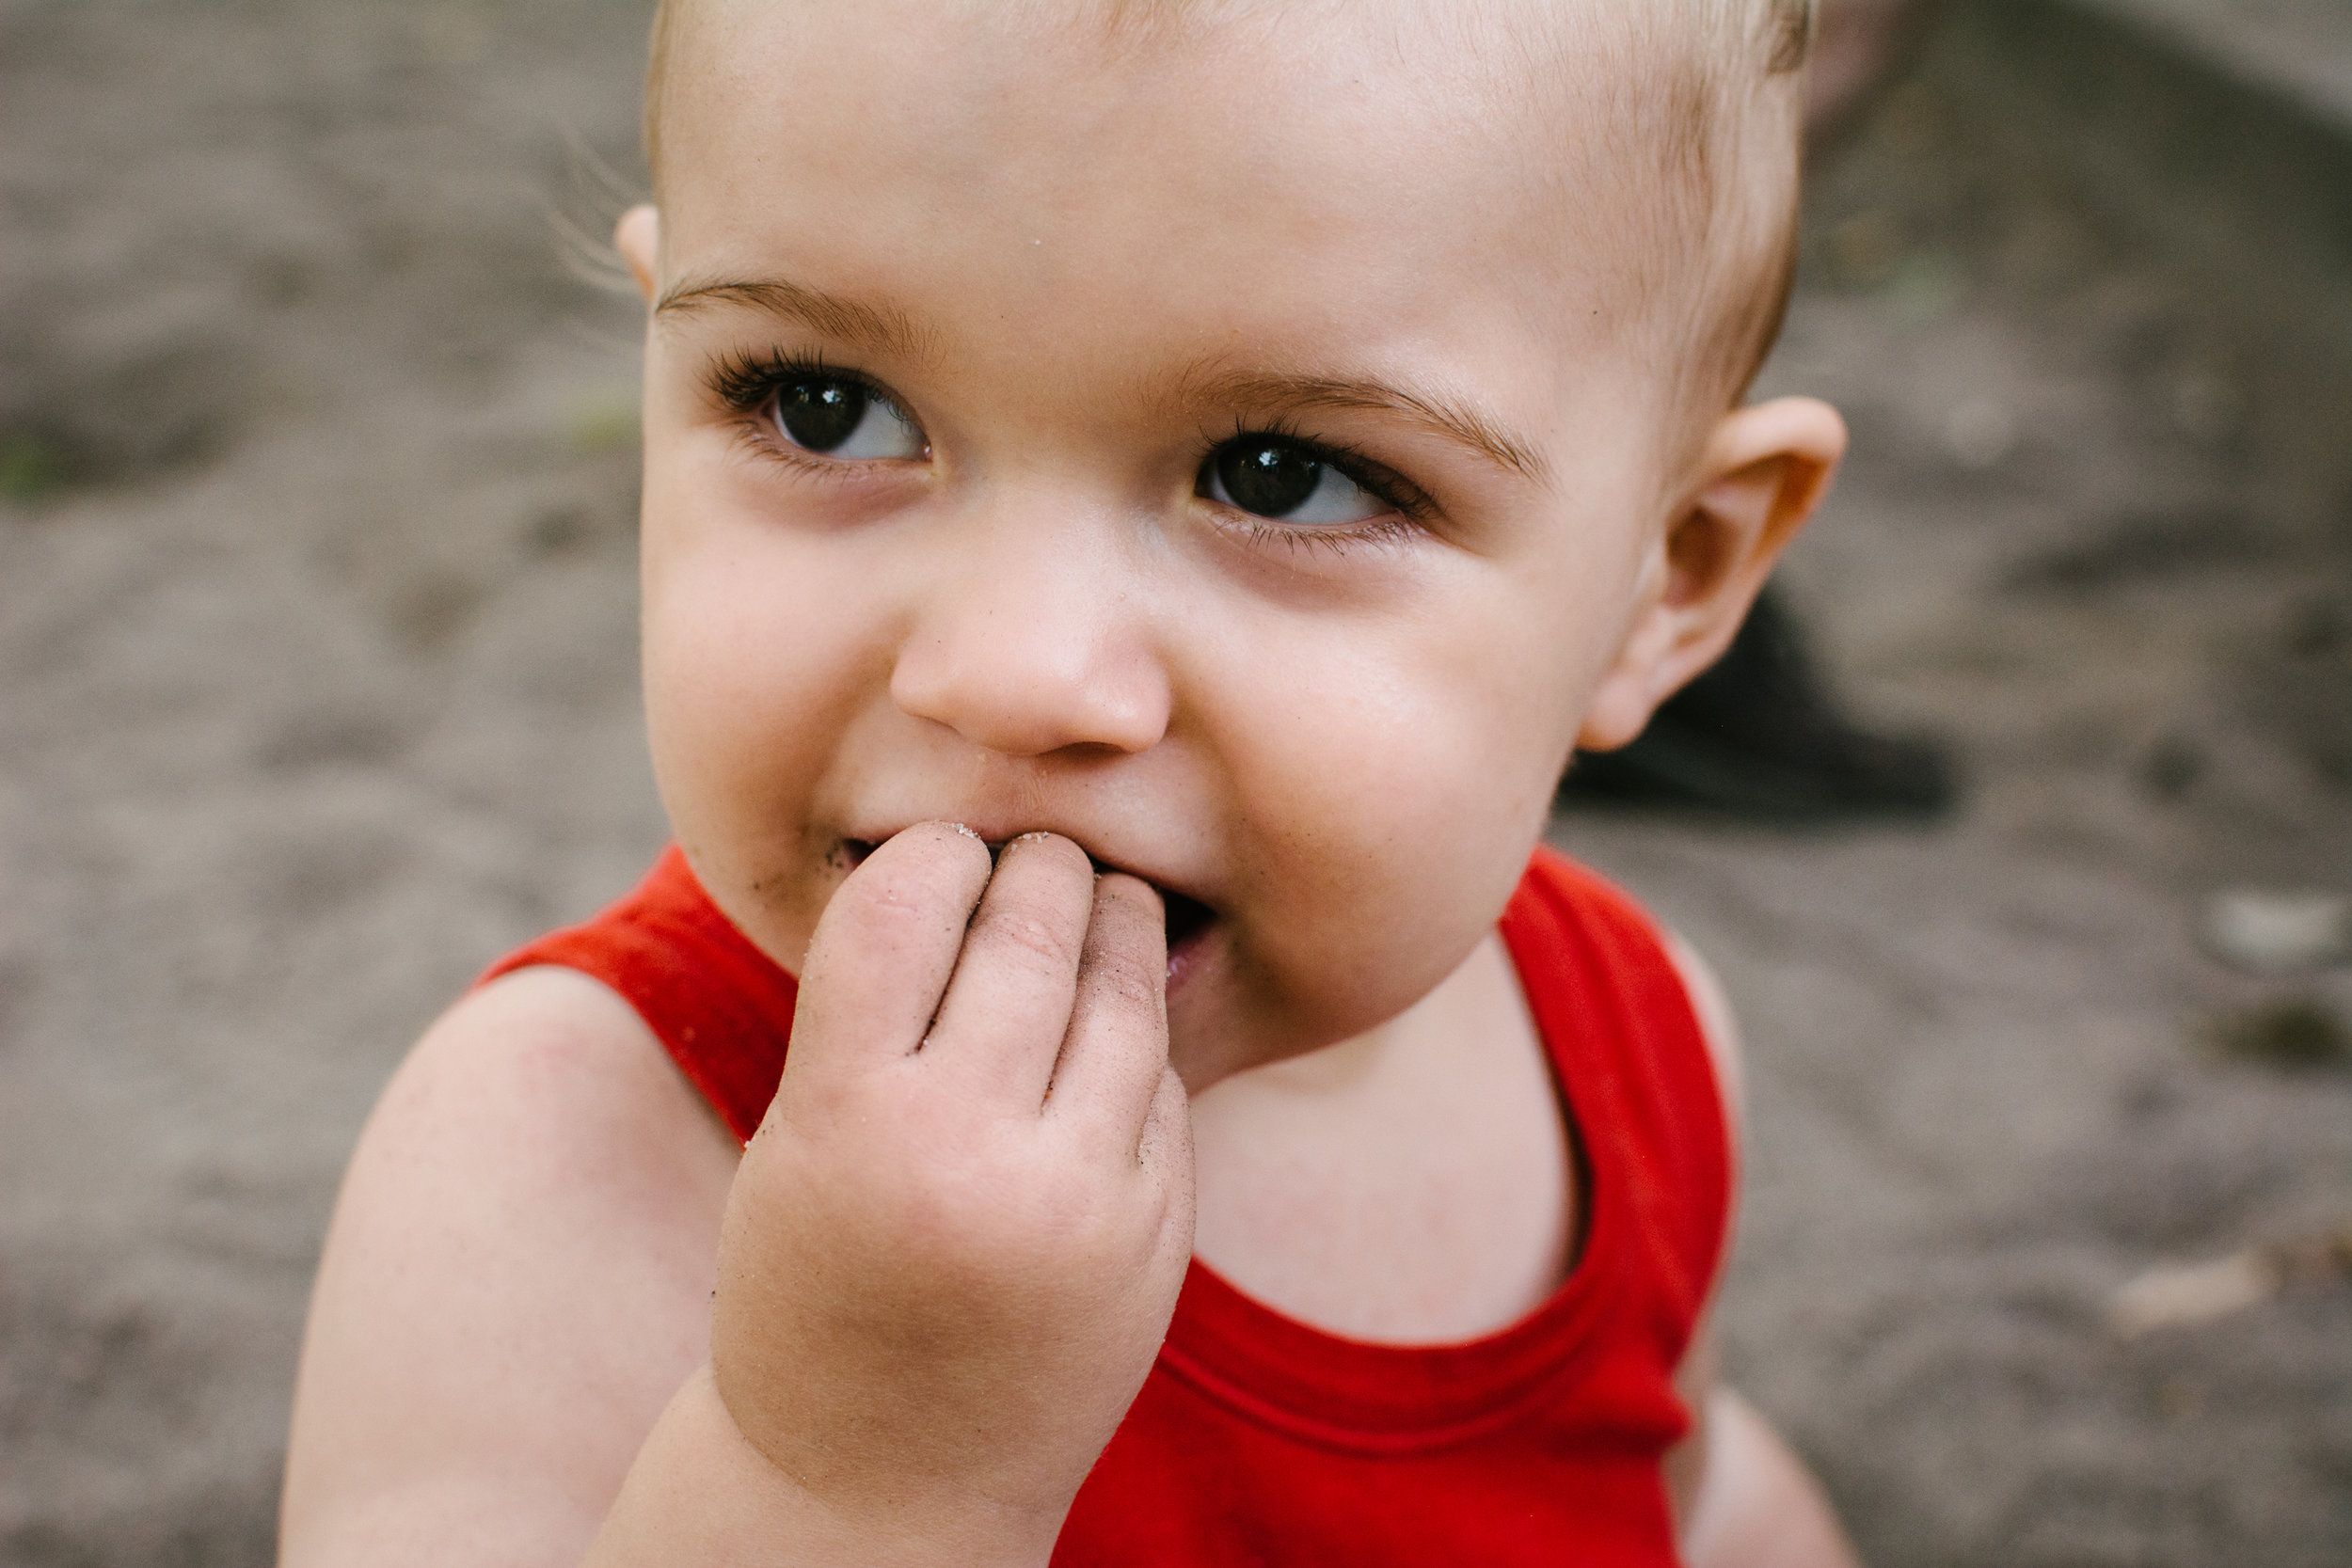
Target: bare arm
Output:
[(1742, 1498), (507, 1360), (558, 1319), (1758, 1507), (517, 1280)]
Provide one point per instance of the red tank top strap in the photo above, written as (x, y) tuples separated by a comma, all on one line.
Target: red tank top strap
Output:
[(721, 1006), (1633, 1061)]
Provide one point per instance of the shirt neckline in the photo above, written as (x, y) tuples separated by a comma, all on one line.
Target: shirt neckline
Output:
[(1378, 1397)]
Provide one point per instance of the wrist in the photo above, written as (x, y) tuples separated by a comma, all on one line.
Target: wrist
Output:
[(701, 1491)]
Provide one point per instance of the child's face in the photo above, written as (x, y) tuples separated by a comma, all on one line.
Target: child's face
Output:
[(1127, 293)]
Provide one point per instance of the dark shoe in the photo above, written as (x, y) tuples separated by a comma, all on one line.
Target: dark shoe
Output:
[(1757, 737)]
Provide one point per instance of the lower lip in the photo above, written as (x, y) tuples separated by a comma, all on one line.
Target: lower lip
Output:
[(1186, 952)]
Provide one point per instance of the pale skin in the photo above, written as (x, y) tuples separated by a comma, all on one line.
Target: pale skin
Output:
[(562, 1317)]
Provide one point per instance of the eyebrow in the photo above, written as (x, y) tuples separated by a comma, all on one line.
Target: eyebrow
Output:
[(849, 321), (862, 325), (1464, 426)]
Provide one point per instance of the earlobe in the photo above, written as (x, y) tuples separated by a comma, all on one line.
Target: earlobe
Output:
[(638, 238), (1763, 471)]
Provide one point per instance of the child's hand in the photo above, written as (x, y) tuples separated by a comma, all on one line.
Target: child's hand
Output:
[(953, 1247)]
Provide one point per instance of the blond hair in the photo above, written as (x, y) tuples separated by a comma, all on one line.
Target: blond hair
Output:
[(1708, 93)]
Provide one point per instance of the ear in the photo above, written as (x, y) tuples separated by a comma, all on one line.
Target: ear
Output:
[(638, 238), (1763, 471)]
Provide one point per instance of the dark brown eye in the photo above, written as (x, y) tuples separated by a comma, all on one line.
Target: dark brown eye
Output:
[(1275, 476), (820, 415), (839, 418), (1272, 479)]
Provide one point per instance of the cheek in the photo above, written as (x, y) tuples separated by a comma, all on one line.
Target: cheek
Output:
[(1389, 804), (755, 664)]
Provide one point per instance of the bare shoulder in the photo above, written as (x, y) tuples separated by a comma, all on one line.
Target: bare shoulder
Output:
[(1687, 1466), (515, 1282), (1717, 1025)]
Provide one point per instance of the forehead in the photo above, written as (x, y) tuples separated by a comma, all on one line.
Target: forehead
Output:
[(1395, 171)]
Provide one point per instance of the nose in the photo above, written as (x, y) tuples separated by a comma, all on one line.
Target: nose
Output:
[(1032, 638)]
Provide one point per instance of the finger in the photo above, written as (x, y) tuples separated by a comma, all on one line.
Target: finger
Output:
[(1117, 1045), (1008, 1004), (1165, 1150), (885, 948)]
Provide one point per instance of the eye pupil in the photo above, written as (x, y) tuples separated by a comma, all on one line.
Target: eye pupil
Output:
[(1270, 477), (820, 415)]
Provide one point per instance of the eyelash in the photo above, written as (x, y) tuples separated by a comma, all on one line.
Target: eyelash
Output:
[(1411, 507), (744, 383)]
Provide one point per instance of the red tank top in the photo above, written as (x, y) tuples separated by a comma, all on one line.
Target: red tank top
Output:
[(1258, 1440)]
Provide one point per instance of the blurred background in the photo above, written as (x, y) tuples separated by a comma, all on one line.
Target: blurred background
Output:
[(317, 692)]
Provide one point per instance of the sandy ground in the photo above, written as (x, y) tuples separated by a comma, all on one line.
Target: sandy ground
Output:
[(317, 691)]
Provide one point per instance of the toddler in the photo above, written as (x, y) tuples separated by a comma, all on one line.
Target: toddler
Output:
[(1141, 498)]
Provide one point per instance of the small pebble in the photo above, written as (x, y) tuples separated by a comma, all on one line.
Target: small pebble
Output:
[(2277, 932), (2178, 1295)]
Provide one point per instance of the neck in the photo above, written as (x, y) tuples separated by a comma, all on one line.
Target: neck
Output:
[(1462, 1006), (1412, 1184)]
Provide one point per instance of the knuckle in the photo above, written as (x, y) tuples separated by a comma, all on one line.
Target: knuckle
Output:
[(1030, 935), (1127, 984), (903, 904), (1129, 972), (1005, 1221), (897, 910)]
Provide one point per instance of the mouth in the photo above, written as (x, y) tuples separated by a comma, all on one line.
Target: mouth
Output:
[(1187, 919)]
